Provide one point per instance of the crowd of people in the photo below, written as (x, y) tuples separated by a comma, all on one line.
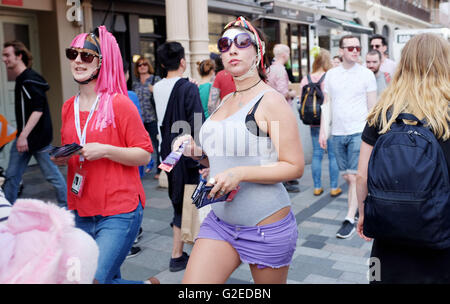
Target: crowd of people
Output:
[(239, 129)]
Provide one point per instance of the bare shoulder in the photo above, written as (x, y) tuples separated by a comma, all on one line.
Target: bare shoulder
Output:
[(274, 101)]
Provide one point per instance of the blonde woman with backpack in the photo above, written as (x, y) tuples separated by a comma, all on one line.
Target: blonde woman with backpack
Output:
[(421, 87), (322, 63)]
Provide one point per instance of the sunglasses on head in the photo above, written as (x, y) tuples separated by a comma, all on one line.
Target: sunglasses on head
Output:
[(86, 57), (352, 48), (242, 41)]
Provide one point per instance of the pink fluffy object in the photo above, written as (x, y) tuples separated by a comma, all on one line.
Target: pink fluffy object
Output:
[(41, 245)]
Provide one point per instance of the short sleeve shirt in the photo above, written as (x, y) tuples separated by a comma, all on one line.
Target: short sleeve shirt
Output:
[(347, 91), (225, 83), (278, 79), (109, 187)]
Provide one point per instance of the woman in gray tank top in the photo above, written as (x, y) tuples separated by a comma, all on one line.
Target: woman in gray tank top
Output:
[(251, 140)]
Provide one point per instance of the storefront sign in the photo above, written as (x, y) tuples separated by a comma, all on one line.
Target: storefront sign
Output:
[(293, 14), (13, 2)]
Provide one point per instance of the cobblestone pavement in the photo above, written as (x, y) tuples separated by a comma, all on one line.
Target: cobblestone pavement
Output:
[(320, 257)]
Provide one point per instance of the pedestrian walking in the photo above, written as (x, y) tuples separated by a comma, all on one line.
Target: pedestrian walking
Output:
[(351, 90), (418, 200), (34, 124), (373, 63), (143, 87), (322, 63), (257, 227), (105, 190), (379, 43), (177, 102), (206, 69), (278, 78)]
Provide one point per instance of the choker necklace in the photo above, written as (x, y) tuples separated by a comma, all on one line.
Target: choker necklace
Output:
[(235, 92)]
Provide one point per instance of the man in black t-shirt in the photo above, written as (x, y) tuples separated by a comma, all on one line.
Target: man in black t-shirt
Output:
[(34, 126)]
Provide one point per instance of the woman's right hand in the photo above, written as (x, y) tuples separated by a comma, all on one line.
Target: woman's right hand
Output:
[(190, 149)]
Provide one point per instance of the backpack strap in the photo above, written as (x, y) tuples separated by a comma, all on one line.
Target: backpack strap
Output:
[(309, 79), (321, 78)]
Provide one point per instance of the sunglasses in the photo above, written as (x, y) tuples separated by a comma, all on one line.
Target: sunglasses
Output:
[(142, 64), (375, 46), (242, 41), (352, 48), (86, 57)]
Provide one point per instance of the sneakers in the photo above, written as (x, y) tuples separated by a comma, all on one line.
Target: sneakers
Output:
[(318, 191), (336, 192), (139, 236), (134, 251), (346, 230), (178, 264)]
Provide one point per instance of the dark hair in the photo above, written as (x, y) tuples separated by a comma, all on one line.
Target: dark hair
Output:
[(377, 36), (170, 55), (126, 66), (21, 49), (219, 64), (261, 35), (341, 41), (375, 52), (205, 67)]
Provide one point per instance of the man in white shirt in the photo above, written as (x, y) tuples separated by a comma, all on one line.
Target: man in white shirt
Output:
[(352, 91), (379, 43)]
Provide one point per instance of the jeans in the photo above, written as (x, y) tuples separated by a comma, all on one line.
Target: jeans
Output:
[(18, 163), (347, 148), (316, 165), (114, 236)]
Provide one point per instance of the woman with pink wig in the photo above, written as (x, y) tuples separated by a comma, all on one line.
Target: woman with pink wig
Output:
[(104, 188)]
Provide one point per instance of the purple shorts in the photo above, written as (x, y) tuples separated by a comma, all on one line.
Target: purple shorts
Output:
[(271, 245)]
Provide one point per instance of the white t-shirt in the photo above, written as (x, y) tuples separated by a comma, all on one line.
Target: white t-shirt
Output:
[(389, 66), (347, 91), (161, 93)]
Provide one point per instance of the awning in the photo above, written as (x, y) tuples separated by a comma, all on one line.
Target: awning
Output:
[(346, 25)]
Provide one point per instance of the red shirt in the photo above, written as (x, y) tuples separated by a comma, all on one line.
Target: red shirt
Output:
[(109, 187), (225, 83)]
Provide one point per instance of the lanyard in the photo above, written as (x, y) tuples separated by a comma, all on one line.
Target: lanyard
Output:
[(82, 134)]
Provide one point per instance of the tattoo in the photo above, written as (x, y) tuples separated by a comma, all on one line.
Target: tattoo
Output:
[(214, 99)]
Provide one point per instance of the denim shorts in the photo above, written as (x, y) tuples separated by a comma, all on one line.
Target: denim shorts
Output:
[(346, 148), (270, 245)]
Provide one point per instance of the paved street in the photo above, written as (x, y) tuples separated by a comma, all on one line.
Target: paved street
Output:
[(320, 257)]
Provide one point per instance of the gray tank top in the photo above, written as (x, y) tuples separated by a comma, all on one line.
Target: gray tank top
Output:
[(228, 143)]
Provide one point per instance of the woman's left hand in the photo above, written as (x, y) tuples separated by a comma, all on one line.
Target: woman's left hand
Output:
[(93, 151), (226, 181)]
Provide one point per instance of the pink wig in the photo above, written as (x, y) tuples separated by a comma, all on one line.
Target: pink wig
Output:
[(111, 79)]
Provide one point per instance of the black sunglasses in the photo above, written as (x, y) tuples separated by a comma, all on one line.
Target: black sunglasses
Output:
[(375, 46), (86, 57), (242, 41)]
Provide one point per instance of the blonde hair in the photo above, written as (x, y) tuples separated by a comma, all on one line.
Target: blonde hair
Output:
[(420, 86), (322, 60)]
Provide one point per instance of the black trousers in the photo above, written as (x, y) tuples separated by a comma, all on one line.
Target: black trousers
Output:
[(152, 129)]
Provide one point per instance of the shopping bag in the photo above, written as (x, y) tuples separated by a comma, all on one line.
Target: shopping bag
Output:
[(190, 221)]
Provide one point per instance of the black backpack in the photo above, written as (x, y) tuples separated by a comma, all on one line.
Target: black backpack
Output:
[(310, 102), (408, 197)]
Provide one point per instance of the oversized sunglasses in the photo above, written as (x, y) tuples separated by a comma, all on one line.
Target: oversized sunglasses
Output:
[(86, 57), (242, 41), (352, 48)]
